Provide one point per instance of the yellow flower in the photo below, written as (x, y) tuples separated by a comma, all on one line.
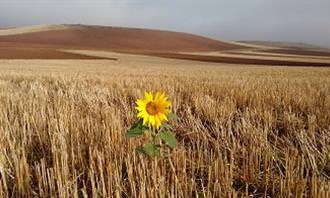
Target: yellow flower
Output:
[(153, 110)]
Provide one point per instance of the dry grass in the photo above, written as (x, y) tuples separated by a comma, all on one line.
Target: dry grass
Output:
[(243, 131), (30, 29)]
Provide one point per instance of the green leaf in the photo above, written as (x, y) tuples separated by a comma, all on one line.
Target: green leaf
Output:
[(140, 150), (137, 129), (169, 138), (165, 127), (149, 149), (172, 116)]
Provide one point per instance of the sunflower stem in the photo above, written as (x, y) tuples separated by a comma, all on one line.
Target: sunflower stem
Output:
[(153, 135)]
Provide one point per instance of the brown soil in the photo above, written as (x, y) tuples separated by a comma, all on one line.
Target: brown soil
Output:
[(43, 45), (116, 39), (36, 53), (270, 55), (234, 60), (297, 51)]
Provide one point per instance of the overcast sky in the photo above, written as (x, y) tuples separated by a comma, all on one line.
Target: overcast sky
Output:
[(278, 20)]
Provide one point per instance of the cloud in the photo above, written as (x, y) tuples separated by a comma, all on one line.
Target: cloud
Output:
[(287, 20)]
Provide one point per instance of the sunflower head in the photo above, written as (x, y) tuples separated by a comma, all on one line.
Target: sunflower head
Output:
[(153, 109)]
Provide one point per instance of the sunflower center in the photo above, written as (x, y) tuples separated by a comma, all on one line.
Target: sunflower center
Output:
[(152, 108)]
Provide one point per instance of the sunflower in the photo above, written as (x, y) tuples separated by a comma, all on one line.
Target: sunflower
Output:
[(153, 110)]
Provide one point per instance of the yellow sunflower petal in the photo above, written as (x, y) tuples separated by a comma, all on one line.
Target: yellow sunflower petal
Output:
[(157, 122), (152, 120), (148, 96), (140, 102), (163, 97), (142, 114), (145, 119), (157, 96), (163, 117)]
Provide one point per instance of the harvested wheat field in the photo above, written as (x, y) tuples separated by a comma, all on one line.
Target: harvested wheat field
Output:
[(243, 130)]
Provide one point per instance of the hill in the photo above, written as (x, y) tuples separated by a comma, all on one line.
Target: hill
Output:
[(283, 44), (292, 48), (57, 42), (110, 38)]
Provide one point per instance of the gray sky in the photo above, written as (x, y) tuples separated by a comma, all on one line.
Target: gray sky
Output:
[(277, 20)]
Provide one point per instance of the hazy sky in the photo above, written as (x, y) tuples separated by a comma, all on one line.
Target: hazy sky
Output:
[(278, 20)]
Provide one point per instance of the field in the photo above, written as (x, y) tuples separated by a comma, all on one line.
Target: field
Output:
[(254, 117), (243, 130)]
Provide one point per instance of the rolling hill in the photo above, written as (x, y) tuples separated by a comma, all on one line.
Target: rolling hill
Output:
[(56, 41), (110, 38)]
